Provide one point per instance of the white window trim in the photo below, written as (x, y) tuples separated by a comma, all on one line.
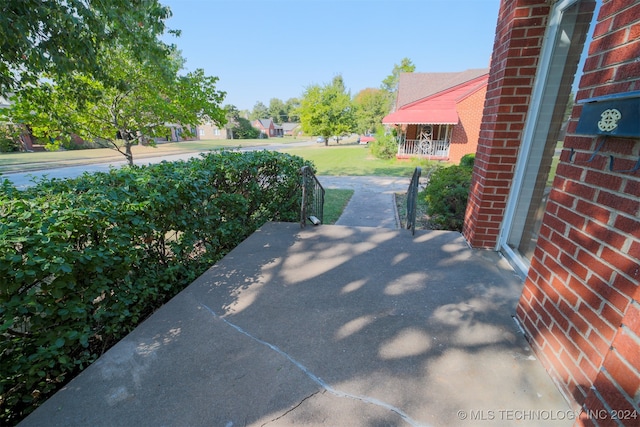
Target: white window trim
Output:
[(527, 148)]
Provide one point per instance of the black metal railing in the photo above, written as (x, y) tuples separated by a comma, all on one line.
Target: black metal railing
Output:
[(312, 206), (412, 199)]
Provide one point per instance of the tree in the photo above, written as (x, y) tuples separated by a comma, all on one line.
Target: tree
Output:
[(57, 37), (232, 115), (260, 111), (390, 83), (137, 107), (327, 110), (292, 105), (244, 130), (371, 106), (277, 111)]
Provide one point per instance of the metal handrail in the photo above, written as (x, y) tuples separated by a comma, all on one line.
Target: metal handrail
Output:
[(312, 205), (412, 198)]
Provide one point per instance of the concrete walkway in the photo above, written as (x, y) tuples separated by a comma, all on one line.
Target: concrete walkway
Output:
[(326, 326), (372, 203)]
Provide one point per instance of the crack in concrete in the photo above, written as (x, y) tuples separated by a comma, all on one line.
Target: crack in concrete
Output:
[(292, 409), (317, 379)]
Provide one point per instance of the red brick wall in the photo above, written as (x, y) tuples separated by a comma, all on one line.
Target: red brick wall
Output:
[(580, 304), (464, 138), (517, 45)]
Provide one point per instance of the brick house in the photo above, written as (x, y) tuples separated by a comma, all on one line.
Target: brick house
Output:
[(291, 129), (267, 127), (209, 130), (574, 236), (438, 115)]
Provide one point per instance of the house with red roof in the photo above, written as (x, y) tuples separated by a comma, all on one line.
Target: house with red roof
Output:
[(438, 115)]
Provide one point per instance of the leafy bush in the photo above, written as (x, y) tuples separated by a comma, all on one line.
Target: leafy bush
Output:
[(8, 145), (9, 138), (85, 260), (384, 146), (446, 196), (244, 130), (467, 160)]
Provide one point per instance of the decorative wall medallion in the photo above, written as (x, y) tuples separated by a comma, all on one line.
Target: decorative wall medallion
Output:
[(609, 120)]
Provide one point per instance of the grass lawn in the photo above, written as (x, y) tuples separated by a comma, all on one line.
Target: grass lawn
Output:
[(335, 201), (353, 160), (25, 162)]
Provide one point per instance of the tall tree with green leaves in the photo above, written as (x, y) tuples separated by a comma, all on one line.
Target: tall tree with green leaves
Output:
[(327, 110), (56, 37), (390, 83), (137, 107), (292, 105), (260, 111), (371, 105), (277, 111)]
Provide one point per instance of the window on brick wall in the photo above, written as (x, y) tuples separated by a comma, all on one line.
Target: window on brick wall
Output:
[(557, 73)]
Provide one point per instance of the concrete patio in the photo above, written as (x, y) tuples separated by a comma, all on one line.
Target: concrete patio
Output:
[(332, 326)]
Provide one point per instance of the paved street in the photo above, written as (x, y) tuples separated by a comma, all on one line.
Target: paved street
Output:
[(22, 180)]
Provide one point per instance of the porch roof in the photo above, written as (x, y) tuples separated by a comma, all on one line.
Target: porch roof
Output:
[(425, 115), (438, 108)]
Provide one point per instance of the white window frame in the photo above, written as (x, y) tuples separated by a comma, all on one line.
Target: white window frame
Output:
[(530, 154)]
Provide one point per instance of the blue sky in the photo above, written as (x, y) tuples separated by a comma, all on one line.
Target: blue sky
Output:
[(277, 48)]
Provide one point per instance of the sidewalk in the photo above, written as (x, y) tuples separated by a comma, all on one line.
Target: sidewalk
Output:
[(373, 201), (327, 326)]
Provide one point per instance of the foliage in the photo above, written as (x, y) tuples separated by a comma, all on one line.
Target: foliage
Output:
[(134, 110), (83, 261), (292, 106), (260, 111), (467, 160), (384, 146), (57, 37), (390, 83), (244, 129), (277, 111), (371, 105), (9, 138), (327, 110), (446, 196)]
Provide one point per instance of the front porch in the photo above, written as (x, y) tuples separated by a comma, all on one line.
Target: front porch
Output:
[(330, 325), (430, 141), (432, 150)]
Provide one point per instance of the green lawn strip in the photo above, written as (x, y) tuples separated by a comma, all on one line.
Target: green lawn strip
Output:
[(335, 200), (353, 160), (25, 162)]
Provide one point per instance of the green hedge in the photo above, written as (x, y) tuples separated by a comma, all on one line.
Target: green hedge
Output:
[(447, 194), (83, 261)]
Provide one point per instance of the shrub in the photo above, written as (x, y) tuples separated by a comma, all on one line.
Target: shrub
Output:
[(9, 138), (384, 146), (85, 260), (467, 160), (446, 196)]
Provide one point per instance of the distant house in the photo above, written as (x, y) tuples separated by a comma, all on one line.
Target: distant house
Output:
[(209, 130), (291, 129), (267, 127), (438, 115)]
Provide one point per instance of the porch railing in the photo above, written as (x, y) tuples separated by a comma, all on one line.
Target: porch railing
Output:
[(312, 206), (412, 199), (422, 148)]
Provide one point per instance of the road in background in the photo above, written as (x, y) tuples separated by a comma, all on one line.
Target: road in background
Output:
[(26, 179)]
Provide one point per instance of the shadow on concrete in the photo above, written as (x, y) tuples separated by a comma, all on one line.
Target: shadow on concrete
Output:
[(331, 325)]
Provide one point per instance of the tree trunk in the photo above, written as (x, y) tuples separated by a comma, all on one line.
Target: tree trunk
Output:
[(127, 151)]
